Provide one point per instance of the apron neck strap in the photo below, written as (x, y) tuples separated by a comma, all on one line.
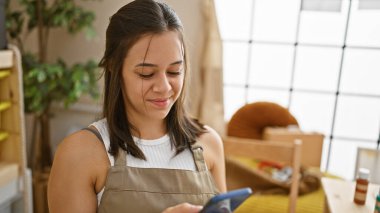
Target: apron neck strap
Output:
[(197, 151)]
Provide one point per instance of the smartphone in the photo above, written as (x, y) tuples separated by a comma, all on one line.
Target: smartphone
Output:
[(226, 202)]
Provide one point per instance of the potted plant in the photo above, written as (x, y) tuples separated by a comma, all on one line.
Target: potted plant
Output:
[(47, 82)]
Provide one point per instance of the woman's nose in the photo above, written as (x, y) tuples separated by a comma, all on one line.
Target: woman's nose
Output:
[(162, 84)]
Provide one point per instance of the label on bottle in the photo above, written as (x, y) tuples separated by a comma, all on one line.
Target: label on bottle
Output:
[(361, 187), (360, 196)]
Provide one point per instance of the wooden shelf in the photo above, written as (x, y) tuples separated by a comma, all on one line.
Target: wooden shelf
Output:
[(6, 59), (4, 105), (3, 135), (8, 172), (13, 181), (4, 73)]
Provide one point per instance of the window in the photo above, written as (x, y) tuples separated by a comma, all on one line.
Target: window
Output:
[(326, 59)]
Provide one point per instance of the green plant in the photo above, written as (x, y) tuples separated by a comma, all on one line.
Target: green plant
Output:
[(44, 82)]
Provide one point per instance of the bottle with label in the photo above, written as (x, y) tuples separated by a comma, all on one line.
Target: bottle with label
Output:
[(377, 205), (361, 186)]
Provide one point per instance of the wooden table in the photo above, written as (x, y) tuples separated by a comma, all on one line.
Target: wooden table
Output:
[(339, 196)]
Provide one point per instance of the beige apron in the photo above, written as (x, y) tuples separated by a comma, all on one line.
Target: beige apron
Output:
[(131, 189)]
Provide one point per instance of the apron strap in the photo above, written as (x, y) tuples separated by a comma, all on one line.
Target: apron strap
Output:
[(197, 151), (121, 158), (95, 132)]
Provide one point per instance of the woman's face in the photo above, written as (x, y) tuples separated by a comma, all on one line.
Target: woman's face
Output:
[(153, 74)]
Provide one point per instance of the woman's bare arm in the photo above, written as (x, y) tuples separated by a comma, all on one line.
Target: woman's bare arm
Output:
[(74, 179), (214, 157)]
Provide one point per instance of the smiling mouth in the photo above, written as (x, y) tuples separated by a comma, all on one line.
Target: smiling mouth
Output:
[(160, 102)]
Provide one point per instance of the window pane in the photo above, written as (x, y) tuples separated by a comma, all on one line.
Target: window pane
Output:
[(271, 65), (322, 5), (369, 4), (280, 97), (319, 27), (234, 18), (313, 111), (364, 27), (275, 20), (325, 153), (235, 62), (358, 117), (317, 68), (361, 71), (343, 157), (234, 98)]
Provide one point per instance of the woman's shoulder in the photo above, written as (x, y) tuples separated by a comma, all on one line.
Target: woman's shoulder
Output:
[(81, 149), (210, 135), (211, 139), (80, 143)]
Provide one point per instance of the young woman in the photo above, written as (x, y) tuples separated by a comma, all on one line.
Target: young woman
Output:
[(146, 154)]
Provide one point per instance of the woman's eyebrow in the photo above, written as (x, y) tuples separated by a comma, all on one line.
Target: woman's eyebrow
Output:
[(155, 65), (177, 62), (146, 65)]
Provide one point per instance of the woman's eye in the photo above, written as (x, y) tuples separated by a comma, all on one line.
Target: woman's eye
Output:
[(174, 73), (145, 75)]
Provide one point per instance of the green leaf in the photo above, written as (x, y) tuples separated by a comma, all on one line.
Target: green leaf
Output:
[(41, 76)]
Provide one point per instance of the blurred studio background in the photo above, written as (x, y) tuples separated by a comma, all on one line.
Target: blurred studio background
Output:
[(317, 61)]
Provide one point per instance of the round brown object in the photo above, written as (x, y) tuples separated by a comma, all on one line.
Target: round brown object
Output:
[(250, 120)]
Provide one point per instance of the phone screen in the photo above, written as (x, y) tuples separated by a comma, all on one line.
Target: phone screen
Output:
[(227, 202)]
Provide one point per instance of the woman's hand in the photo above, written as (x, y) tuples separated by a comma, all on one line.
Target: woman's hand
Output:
[(183, 207)]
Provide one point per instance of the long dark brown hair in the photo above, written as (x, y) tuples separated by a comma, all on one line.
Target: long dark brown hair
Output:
[(127, 25)]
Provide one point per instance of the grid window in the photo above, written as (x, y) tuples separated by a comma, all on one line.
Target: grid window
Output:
[(364, 26), (234, 98), (313, 111), (275, 20), (235, 65), (317, 68), (323, 27), (280, 97), (271, 65), (358, 118), (361, 70), (234, 18), (318, 58)]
